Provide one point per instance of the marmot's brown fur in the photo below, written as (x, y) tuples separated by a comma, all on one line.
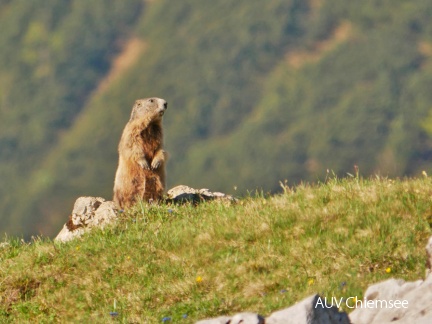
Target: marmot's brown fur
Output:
[(141, 170)]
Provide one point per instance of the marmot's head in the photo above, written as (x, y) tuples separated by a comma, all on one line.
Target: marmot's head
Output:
[(149, 108)]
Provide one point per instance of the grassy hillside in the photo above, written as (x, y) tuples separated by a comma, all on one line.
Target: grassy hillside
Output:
[(262, 254), (259, 91)]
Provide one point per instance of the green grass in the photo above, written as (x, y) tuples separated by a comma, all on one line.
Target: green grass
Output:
[(261, 254)]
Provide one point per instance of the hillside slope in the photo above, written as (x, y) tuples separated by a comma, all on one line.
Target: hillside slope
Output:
[(258, 92), (262, 254)]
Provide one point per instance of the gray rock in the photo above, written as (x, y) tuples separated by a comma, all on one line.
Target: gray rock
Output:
[(247, 318), (310, 310), (88, 212), (415, 300), (184, 194), (414, 303), (218, 320), (241, 318)]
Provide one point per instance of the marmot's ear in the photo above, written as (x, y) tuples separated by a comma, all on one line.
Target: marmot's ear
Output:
[(132, 117), (134, 111), (138, 104)]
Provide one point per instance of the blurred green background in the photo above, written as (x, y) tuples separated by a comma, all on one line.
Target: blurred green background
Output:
[(258, 91)]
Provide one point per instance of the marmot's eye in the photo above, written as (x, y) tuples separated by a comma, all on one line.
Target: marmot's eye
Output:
[(151, 100)]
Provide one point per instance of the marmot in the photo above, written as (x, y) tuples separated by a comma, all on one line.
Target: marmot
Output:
[(141, 170)]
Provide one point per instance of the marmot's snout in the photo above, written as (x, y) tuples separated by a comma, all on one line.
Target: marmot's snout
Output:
[(163, 108)]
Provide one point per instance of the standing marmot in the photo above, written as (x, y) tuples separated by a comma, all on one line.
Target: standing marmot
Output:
[(141, 170)]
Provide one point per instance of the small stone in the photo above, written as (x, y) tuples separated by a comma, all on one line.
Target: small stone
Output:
[(184, 194), (247, 318), (217, 320), (309, 310), (88, 212)]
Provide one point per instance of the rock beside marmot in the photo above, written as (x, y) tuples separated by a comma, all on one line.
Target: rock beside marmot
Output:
[(141, 170)]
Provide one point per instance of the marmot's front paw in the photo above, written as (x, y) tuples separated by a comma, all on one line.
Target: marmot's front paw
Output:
[(144, 164), (156, 164)]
